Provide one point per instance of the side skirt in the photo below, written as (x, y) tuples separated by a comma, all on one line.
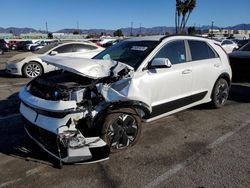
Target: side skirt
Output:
[(173, 105)]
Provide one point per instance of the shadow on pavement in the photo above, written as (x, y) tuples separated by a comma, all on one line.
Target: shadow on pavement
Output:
[(16, 143), (14, 140), (4, 74), (10, 105)]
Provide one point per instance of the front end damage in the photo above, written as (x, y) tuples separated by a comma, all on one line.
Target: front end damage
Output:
[(62, 109)]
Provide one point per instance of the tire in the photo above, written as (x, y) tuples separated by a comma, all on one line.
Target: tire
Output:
[(220, 93), (1, 52), (121, 129), (32, 70)]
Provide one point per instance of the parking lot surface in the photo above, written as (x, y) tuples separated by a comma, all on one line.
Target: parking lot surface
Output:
[(199, 147)]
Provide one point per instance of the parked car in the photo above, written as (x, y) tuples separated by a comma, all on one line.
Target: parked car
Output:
[(76, 114), (3, 48), (28, 46), (41, 45), (240, 63), (4, 45), (241, 43), (12, 43), (229, 45), (21, 45), (30, 65)]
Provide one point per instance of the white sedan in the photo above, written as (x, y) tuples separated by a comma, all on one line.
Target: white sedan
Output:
[(229, 45), (30, 65)]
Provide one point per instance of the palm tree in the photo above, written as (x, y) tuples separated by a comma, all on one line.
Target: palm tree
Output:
[(183, 10)]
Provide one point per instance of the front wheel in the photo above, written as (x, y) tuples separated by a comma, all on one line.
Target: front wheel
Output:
[(220, 93), (121, 129), (32, 69)]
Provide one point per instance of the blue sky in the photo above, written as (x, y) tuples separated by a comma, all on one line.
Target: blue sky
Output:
[(114, 14)]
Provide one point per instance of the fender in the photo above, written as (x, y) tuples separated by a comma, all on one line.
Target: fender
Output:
[(93, 122), (226, 77)]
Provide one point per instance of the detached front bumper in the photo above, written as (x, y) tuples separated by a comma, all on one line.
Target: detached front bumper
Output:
[(95, 150), (43, 127)]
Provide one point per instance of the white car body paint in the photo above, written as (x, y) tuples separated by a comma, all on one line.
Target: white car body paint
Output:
[(229, 45), (192, 80)]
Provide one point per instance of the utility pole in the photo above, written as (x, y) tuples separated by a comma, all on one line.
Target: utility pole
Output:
[(131, 29), (212, 28), (77, 25), (140, 29), (46, 25)]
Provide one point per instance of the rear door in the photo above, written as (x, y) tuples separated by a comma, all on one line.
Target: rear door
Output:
[(206, 66)]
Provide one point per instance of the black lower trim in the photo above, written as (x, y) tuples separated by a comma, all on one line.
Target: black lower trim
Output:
[(173, 105)]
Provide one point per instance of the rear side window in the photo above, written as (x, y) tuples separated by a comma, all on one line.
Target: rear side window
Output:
[(201, 50), (64, 49), (83, 47), (174, 51)]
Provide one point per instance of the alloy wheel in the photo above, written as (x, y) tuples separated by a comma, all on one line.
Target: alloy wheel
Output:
[(123, 131)]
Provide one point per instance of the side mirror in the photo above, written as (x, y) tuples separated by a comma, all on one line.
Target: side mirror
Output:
[(53, 53), (160, 63)]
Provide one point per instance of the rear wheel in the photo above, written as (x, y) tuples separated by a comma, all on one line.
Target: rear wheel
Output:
[(220, 93), (121, 129), (32, 69)]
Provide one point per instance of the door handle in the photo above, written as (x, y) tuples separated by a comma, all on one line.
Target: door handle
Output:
[(187, 71), (217, 65)]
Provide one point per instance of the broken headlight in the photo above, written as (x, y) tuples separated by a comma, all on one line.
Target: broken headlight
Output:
[(78, 95)]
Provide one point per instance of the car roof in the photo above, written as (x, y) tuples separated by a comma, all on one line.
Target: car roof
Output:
[(147, 38), (160, 38)]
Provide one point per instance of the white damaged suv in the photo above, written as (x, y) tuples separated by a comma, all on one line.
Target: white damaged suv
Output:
[(89, 106)]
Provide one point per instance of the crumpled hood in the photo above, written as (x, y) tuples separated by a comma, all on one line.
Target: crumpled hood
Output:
[(91, 68), (20, 56)]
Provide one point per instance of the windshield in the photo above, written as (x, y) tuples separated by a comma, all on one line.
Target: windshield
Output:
[(46, 48), (129, 52), (246, 47)]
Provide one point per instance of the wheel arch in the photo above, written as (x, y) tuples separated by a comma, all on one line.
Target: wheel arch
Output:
[(224, 76), (140, 108), (31, 62)]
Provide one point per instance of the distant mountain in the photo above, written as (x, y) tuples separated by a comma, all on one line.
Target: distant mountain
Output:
[(18, 31), (240, 27), (126, 31)]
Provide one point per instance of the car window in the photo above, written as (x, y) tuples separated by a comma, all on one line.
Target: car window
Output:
[(83, 47), (246, 47), (64, 49), (129, 52), (201, 50), (174, 51), (226, 42)]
